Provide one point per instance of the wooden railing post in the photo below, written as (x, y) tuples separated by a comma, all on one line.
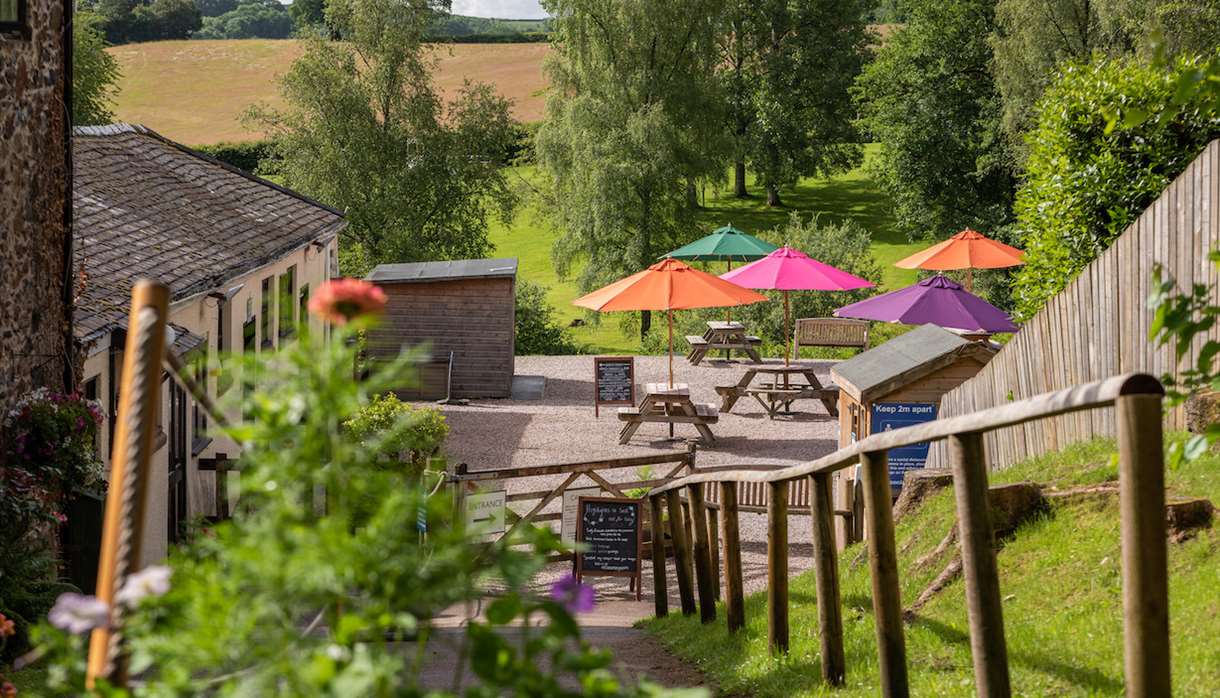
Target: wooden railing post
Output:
[(983, 605), (734, 595), (682, 553), (660, 586), (703, 554), (1141, 499), (883, 564), (777, 567), (826, 576), (713, 543)]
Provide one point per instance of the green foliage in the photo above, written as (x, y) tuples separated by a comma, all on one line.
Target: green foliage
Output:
[(930, 101), (463, 29), (95, 73), (627, 127), (397, 431), (1089, 176), (537, 330), (215, 8), (308, 13), (264, 19), (367, 132), (164, 19), (252, 156)]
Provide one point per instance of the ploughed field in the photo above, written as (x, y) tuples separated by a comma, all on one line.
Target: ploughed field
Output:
[(195, 92)]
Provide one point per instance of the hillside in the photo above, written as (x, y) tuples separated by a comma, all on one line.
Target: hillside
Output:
[(196, 91), (1060, 579)]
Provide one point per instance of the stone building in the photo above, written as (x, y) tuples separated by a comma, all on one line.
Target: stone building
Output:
[(35, 243)]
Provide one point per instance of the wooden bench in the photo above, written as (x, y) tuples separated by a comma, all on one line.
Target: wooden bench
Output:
[(831, 332)]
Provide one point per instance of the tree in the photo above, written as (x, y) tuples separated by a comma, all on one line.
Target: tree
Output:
[(365, 131), (931, 102), (215, 8), (308, 13), (788, 66), (625, 129), (95, 73), (264, 19), (165, 19)]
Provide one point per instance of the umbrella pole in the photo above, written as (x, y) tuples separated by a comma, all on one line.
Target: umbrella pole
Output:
[(728, 311), (970, 279), (669, 314), (787, 335)]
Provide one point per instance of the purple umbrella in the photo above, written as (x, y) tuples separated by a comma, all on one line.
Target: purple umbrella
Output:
[(937, 300)]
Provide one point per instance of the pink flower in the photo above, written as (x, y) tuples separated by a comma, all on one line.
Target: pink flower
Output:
[(77, 613), (576, 597), (8, 690), (341, 300), (7, 629)]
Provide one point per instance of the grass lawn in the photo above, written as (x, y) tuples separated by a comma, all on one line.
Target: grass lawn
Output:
[(849, 196), (1061, 582)]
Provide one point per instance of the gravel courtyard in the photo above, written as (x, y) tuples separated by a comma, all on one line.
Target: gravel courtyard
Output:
[(561, 428)]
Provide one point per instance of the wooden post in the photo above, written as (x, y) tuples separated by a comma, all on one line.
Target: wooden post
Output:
[(682, 553), (1141, 500), (734, 605), (883, 564), (777, 567), (713, 544), (983, 605), (222, 487), (660, 586), (703, 554), (826, 576), (123, 522), (690, 535)]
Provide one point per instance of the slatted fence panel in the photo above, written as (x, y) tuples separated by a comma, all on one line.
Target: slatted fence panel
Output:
[(1098, 326)]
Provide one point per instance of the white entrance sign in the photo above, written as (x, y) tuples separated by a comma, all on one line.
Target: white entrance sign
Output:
[(567, 525), (485, 513)]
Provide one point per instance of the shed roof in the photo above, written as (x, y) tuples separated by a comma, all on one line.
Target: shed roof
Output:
[(453, 270), (145, 206), (904, 359)]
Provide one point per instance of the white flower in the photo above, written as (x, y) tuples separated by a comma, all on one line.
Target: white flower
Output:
[(150, 581), (77, 613)]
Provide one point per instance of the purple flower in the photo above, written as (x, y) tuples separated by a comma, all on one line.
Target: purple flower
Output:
[(150, 581), (77, 613), (576, 597)]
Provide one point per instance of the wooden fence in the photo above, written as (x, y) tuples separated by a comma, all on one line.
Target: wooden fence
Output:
[(1135, 400), (1098, 325)]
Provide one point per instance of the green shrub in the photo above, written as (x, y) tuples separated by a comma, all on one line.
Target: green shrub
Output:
[(1088, 176), (398, 431), (537, 331), (255, 157)]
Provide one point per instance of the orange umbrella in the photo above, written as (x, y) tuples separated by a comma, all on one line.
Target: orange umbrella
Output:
[(668, 285), (967, 250)]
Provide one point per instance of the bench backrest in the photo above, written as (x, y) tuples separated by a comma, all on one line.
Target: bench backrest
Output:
[(830, 332)]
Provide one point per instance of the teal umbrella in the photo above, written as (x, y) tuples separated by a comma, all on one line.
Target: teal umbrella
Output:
[(726, 244)]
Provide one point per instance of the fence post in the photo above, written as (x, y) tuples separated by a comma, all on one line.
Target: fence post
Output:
[(682, 554), (983, 605), (734, 603), (777, 567), (713, 544), (826, 577), (660, 586), (883, 564), (703, 554), (1141, 499)]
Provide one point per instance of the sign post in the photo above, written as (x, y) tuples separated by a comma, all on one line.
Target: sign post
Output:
[(610, 528), (887, 416), (613, 381)]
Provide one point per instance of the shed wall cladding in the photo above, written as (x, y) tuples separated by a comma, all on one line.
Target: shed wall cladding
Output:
[(473, 318)]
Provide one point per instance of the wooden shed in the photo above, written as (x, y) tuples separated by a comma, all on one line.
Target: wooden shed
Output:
[(900, 383), (463, 311)]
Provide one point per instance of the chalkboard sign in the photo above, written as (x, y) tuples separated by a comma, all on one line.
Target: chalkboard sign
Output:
[(610, 529), (614, 381)]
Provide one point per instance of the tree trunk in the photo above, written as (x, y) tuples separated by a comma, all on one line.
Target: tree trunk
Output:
[(692, 194), (773, 196), (645, 323), (739, 180)]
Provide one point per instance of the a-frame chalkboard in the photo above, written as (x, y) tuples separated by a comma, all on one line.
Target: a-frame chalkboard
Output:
[(611, 528), (613, 381)]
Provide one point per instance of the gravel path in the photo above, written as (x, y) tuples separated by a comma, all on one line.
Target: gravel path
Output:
[(561, 428)]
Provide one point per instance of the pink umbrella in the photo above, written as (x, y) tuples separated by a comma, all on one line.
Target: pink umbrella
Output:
[(788, 269)]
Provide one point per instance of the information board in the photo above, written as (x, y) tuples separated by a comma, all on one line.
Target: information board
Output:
[(887, 416), (485, 514), (609, 527), (613, 381)]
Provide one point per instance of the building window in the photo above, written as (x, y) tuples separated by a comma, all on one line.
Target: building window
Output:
[(266, 321), (288, 282), (303, 306), (13, 18)]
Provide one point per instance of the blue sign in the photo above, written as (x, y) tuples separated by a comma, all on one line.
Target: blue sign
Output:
[(887, 416)]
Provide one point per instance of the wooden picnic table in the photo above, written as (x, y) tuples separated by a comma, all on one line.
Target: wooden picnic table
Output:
[(662, 403), (728, 336), (781, 390)]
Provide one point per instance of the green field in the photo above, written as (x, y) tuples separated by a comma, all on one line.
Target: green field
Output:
[(849, 196), (1061, 586)]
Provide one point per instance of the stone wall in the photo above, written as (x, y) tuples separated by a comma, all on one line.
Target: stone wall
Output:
[(35, 342)]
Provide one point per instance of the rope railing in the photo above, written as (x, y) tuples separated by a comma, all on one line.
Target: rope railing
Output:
[(1137, 401)]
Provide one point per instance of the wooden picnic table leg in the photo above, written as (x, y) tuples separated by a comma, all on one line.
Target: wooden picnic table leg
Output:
[(831, 408)]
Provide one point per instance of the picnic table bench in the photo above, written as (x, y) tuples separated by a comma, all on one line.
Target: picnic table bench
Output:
[(779, 392), (728, 336), (662, 403)]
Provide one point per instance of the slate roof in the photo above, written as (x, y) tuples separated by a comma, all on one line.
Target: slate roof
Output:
[(443, 271), (926, 347), (145, 206)]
